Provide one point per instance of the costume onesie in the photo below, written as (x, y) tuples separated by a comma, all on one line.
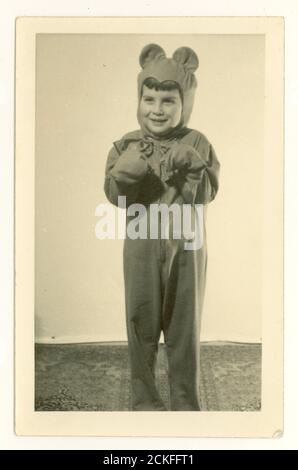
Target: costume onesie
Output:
[(164, 282)]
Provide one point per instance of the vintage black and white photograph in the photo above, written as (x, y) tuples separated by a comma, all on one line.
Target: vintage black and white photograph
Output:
[(149, 192)]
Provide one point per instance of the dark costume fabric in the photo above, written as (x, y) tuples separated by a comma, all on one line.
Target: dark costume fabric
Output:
[(164, 281)]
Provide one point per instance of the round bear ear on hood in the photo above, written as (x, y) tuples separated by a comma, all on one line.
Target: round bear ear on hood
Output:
[(186, 57), (149, 53)]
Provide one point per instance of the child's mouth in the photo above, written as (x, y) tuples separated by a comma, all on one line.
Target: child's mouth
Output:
[(158, 122)]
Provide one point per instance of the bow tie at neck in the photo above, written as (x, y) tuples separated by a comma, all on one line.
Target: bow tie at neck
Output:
[(163, 142), (147, 145)]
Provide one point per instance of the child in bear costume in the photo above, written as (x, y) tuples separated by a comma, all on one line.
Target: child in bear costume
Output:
[(164, 162)]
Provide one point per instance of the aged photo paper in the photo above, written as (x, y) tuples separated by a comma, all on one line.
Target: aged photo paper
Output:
[(76, 96)]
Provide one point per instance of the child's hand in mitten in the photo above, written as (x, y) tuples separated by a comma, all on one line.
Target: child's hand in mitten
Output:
[(131, 166), (185, 158)]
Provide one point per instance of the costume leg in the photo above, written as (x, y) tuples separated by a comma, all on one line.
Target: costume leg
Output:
[(184, 285), (143, 320)]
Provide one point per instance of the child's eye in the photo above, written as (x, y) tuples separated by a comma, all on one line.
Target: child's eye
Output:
[(148, 100)]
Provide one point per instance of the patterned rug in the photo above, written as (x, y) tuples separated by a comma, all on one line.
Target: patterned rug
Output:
[(95, 377)]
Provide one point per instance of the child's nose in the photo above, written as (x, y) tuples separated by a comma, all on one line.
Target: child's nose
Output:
[(158, 109)]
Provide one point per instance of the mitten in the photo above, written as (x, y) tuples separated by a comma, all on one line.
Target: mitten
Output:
[(132, 165), (185, 159)]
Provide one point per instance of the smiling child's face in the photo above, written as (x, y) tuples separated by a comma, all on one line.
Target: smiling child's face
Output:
[(160, 111)]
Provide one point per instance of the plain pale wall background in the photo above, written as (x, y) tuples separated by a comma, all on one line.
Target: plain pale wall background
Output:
[(86, 98)]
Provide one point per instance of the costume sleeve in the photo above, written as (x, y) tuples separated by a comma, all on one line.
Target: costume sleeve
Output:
[(124, 173), (198, 181)]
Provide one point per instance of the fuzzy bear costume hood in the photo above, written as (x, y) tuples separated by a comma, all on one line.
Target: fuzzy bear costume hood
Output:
[(180, 68)]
